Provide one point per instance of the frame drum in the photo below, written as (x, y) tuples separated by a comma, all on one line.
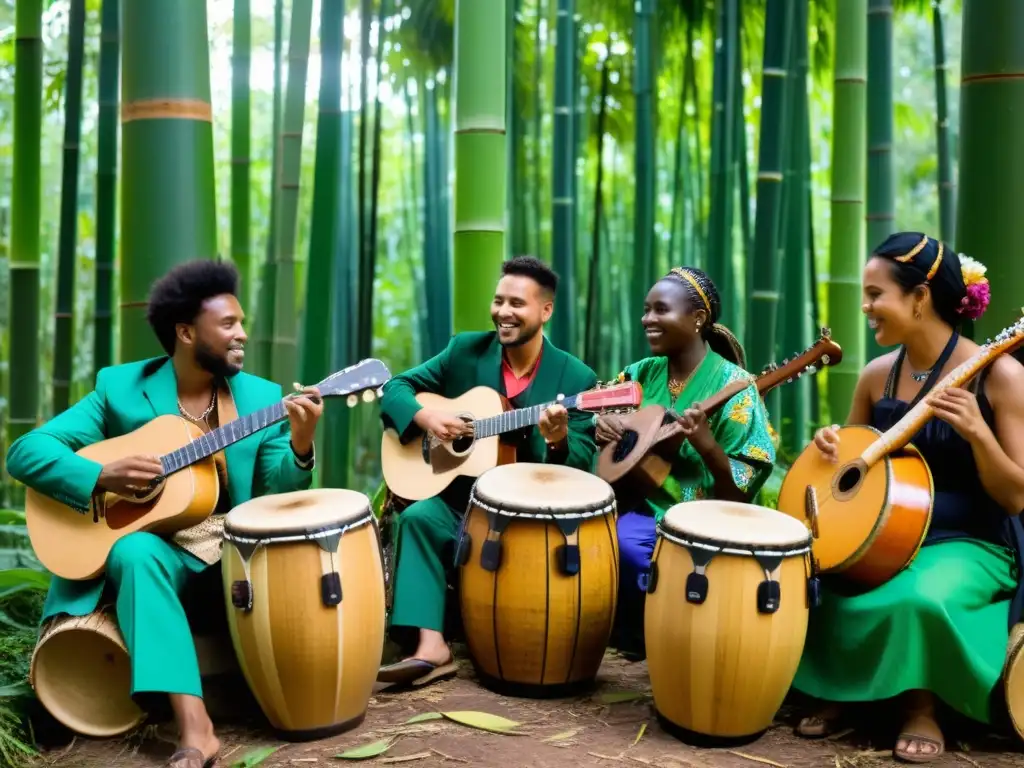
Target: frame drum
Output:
[(539, 559), (726, 617), (81, 673), (304, 586)]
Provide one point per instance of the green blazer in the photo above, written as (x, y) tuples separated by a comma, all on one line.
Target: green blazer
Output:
[(473, 359), (127, 397)]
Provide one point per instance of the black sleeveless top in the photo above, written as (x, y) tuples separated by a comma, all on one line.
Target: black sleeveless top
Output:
[(962, 509)]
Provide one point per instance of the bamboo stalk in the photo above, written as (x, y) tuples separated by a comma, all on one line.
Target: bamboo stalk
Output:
[(563, 157), (947, 187), (241, 162), (168, 212), (285, 341), (989, 222), (881, 197), (63, 339), (23, 326), (106, 183), (645, 163), (847, 222), (480, 187)]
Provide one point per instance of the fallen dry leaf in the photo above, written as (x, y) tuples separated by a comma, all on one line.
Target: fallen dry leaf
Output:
[(405, 758), (366, 751), (640, 735), (562, 736)]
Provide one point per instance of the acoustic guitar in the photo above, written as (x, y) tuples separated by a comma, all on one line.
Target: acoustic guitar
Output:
[(426, 466), (75, 546), (642, 457), (869, 513)]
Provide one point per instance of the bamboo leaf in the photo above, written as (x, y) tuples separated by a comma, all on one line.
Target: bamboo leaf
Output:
[(424, 718), (619, 697), (640, 735), (14, 577), (562, 736), (372, 749), (12, 517), (15, 689), (255, 757), (485, 721)]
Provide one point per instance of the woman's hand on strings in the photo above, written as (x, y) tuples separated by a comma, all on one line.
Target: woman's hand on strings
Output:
[(827, 441), (959, 408)]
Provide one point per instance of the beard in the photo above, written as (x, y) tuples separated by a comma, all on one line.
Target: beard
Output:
[(215, 364), (526, 334)]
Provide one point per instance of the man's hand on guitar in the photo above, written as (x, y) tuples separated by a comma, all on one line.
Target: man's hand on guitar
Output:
[(303, 414), (608, 429), (130, 474), (554, 424), (444, 426)]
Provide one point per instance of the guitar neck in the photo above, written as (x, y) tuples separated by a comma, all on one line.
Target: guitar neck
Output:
[(509, 421), (218, 439), (900, 433)]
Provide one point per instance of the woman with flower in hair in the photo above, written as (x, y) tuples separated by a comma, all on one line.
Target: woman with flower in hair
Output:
[(727, 455), (938, 631)]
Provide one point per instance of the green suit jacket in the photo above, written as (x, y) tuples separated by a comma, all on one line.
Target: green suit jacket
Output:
[(127, 397), (474, 359)]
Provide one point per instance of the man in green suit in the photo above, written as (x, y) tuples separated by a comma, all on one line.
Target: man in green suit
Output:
[(516, 360), (197, 318)]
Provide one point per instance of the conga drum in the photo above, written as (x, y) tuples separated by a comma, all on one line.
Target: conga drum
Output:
[(304, 585), (725, 617), (81, 673), (1013, 679), (539, 577)]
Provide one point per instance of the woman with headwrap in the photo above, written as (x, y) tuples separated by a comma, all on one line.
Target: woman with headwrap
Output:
[(728, 455), (939, 629)]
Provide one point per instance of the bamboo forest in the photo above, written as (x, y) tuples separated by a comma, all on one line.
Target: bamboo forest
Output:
[(368, 165)]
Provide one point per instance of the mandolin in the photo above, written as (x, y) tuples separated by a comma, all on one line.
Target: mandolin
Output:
[(869, 513), (75, 546), (426, 466), (643, 455)]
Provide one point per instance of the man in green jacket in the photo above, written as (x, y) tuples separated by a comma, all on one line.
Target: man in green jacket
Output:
[(516, 360), (197, 318)]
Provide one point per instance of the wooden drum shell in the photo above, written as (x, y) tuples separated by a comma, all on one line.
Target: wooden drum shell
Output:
[(81, 673), (531, 629), (310, 666), (721, 669)]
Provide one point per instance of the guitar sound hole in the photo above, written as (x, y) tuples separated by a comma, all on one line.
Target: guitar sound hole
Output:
[(462, 444), (625, 445), (849, 479)]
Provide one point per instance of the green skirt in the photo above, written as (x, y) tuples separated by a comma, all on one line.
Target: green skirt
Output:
[(941, 625)]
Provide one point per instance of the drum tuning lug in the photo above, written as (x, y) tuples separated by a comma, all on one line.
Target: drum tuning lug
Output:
[(352, 401)]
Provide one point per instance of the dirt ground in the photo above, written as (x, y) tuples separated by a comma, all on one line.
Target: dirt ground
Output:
[(599, 729)]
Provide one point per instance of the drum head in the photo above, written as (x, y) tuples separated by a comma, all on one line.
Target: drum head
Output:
[(542, 488), (298, 512), (730, 522)]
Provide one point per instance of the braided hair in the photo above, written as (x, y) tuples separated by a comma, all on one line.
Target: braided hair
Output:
[(703, 294)]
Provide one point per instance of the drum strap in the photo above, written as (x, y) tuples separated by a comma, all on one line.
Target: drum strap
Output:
[(330, 579)]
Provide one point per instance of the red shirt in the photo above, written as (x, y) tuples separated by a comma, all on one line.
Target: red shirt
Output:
[(514, 385)]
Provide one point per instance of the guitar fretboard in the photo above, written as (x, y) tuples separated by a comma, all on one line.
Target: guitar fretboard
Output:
[(517, 419), (899, 434), (220, 438)]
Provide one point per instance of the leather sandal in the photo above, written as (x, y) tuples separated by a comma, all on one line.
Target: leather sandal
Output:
[(415, 673), (918, 756), (190, 757)]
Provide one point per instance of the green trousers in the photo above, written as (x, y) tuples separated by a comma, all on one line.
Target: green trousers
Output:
[(424, 541), (147, 576), (940, 625)]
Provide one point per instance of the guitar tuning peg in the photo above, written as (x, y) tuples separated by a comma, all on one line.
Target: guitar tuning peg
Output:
[(369, 395), (352, 401)]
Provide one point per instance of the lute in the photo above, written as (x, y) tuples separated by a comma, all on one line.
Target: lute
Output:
[(870, 512), (643, 455)]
